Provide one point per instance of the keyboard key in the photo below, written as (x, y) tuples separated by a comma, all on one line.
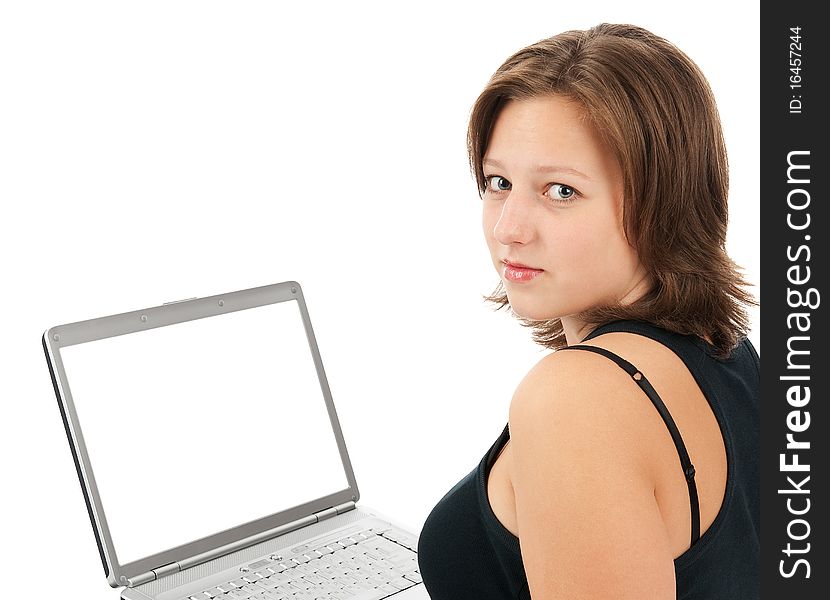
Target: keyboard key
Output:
[(375, 594), (315, 565), (315, 579), (344, 554), (414, 576), (391, 535), (389, 589), (370, 554), (382, 544), (400, 554), (404, 539), (329, 572), (401, 583), (269, 584), (328, 560)]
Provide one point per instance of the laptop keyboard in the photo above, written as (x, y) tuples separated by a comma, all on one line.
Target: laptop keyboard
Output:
[(368, 565)]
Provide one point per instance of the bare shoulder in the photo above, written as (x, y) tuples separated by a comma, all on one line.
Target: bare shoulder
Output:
[(583, 483), (585, 387), (580, 396)]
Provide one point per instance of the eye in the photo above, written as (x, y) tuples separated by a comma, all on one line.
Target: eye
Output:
[(496, 183), (561, 192)]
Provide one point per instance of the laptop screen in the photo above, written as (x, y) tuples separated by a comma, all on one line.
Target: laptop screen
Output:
[(198, 427)]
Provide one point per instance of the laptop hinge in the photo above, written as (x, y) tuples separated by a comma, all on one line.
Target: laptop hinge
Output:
[(156, 573), (345, 507), (333, 511), (166, 570), (138, 579)]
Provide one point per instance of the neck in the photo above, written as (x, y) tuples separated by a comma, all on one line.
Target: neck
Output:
[(575, 329)]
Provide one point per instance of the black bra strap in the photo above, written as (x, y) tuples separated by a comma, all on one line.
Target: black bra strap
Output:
[(688, 467)]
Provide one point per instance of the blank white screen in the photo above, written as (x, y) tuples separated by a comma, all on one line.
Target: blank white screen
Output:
[(197, 427)]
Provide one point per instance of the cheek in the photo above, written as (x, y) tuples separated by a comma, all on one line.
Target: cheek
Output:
[(576, 242), (585, 255), (614, 258)]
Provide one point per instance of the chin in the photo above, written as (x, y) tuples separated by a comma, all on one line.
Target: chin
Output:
[(531, 311)]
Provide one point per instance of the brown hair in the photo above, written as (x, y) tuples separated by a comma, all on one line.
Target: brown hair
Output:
[(655, 111)]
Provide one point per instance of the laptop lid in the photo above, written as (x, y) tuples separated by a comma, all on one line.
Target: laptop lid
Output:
[(198, 424)]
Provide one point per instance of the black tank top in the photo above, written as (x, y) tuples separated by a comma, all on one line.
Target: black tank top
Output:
[(464, 552)]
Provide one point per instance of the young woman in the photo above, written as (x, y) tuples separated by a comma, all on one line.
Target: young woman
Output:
[(629, 467)]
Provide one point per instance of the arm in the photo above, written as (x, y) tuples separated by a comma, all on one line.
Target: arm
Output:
[(589, 523)]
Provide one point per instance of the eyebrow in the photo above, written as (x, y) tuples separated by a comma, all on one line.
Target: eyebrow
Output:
[(542, 168)]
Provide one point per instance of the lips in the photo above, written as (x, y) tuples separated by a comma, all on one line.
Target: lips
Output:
[(519, 273)]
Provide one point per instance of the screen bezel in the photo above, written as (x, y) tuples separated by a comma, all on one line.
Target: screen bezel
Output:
[(80, 332)]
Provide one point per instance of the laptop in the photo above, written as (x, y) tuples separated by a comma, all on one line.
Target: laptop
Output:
[(211, 458)]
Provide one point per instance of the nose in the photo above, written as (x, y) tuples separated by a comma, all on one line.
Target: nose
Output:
[(515, 224)]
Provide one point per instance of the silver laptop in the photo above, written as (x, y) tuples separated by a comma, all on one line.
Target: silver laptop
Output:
[(211, 458)]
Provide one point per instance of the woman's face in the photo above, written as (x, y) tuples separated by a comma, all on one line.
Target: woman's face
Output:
[(553, 213)]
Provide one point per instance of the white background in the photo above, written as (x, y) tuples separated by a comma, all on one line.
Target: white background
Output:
[(151, 151)]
